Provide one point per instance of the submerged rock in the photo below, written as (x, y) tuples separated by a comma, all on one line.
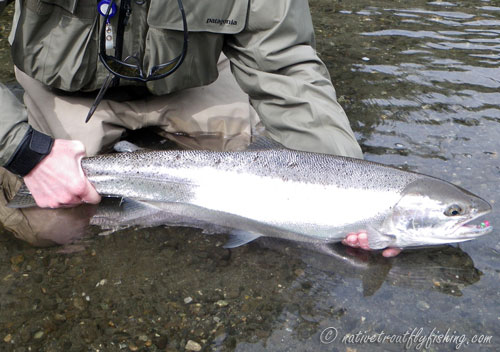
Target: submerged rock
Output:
[(193, 346)]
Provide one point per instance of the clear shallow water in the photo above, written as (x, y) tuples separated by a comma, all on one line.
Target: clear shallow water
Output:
[(419, 82), (6, 71)]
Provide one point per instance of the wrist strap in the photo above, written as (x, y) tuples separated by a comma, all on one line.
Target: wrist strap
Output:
[(33, 148)]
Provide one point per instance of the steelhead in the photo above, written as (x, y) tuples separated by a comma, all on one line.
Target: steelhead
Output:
[(289, 194)]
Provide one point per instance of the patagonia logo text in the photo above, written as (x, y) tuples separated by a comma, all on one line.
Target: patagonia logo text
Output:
[(221, 21)]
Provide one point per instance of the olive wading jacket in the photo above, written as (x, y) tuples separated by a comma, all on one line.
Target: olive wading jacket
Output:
[(270, 44)]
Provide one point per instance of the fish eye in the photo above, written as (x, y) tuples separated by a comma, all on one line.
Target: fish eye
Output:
[(454, 210)]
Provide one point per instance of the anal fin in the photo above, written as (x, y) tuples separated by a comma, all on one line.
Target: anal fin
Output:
[(240, 238)]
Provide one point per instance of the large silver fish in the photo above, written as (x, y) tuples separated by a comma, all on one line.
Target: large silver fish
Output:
[(290, 194)]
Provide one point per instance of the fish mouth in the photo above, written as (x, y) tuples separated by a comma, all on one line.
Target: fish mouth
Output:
[(467, 231), (475, 230)]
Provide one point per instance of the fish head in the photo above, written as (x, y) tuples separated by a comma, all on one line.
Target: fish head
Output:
[(432, 211)]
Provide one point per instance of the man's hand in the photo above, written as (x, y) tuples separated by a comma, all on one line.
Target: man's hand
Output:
[(360, 240), (58, 180)]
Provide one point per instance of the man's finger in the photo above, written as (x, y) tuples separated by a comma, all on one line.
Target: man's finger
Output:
[(363, 240), (391, 252), (90, 195), (351, 240)]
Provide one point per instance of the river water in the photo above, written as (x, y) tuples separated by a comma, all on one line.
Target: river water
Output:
[(420, 83)]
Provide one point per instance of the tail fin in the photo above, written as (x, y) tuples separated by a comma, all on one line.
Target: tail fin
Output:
[(22, 199)]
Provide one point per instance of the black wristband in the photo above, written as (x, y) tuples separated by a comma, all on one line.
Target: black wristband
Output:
[(33, 148)]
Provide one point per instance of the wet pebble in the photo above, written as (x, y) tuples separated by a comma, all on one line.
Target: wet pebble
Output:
[(38, 278), (193, 346), (221, 303), (24, 334), (101, 283), (219, 339), (59, 317), (306, 285), (422, 305), (161, 342), (261, 334), (78, 303), (17, 259), (232, 293), (299, 272), (49, 305)]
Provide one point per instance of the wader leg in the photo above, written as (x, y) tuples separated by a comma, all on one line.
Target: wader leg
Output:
[(63, 117), (217, 116)]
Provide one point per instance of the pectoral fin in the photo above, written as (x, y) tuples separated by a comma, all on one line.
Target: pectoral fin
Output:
[(379, 240)]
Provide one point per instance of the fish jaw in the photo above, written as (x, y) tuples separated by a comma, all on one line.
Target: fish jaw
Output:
[(465, 230), (456, 231), (435, 212), (468, 231)]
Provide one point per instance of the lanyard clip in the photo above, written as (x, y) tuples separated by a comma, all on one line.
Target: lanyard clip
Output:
[(107, 9), (103, 8)]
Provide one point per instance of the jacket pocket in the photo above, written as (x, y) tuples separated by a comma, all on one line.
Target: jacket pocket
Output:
[(56, 42), (220, 16), (208, 21), (82, 9), (68, 5)]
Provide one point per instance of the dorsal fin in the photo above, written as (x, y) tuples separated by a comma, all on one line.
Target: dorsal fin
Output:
[(262, 142)]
